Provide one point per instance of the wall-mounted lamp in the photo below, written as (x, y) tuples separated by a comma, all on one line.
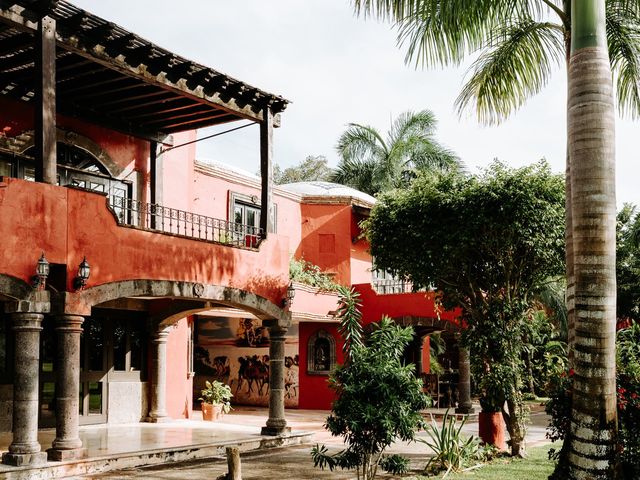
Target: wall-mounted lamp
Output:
[(39, 280), (291, 292), (84, 270)]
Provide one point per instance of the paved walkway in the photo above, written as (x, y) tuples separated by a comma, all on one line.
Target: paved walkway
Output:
[(293, 462)]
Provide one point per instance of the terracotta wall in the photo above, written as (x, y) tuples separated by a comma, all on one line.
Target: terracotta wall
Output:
[(125, 150), (69, 224), (326, 239), (179, 382), (419, 304), (314, 389)]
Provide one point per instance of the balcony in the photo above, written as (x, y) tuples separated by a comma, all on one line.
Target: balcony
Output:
[(156, 218), (127, 240)]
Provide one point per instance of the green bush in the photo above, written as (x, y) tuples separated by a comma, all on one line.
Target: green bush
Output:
[(378, 401), (310, 274)]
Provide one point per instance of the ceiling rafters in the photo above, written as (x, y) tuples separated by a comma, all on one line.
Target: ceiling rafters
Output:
[(110, 76)]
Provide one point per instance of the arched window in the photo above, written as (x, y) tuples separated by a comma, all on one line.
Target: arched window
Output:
[(321, 353)]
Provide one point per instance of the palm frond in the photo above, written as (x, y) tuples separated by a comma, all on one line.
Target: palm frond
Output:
[(358, 174), (623, 36), (519, 65), (443, 32), (433, 157), (361, 141), (411, 123)]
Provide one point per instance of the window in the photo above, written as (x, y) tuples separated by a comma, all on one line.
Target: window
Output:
[(321, 353), (244, 211), (128, 345)]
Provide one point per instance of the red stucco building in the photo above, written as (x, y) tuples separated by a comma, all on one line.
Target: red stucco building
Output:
[(189, 261)]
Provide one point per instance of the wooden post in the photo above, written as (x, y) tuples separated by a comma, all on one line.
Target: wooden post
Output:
[(233, 463), (45, 104), (153, 181), (266, 172)]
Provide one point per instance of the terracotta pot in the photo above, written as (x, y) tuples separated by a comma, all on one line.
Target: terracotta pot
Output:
[(211, 412), (492, 429)]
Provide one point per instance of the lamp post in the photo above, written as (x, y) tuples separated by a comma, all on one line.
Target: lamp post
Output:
[(42, 272), (84, 270)]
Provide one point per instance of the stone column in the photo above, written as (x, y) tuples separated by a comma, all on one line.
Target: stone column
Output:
[(464, 382), (418, 346), (67, 444), (25, 449), (158, 411), (276, 424)]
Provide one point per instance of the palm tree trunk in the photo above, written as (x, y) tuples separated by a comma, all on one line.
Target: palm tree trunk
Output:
[(591, 125)]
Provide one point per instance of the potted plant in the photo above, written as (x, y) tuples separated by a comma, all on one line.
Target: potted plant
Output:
[(215, 400), (491, 429)]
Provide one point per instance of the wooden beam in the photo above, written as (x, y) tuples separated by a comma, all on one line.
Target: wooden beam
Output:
[(45, 108), (75, 87), (117, 101), (140, 105), (162, 111), (163, 118), (266, 172), (182, 124), (17, 61), (228, 118), (106, 92), (20, 41)]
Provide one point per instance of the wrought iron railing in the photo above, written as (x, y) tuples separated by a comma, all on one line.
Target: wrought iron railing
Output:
[(388, 286), (149, 216)]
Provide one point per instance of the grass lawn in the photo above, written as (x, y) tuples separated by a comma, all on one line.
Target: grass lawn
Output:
[(536, 466)]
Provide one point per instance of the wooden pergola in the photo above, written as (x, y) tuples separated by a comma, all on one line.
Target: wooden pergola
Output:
[(62, 59)]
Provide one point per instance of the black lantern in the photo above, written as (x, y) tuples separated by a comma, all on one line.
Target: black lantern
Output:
[(291, 292), (42, 272), (84, 270)]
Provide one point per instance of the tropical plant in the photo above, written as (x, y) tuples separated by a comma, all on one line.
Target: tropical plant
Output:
[(628, 264), (628, 405), (378, 401), (452, 449), (519, 46), (312, 168), (310, 274), (372, 164), (349, 316), (486, 244), (217, 393)]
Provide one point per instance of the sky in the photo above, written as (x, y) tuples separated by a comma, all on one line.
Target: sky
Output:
[(337, 68)]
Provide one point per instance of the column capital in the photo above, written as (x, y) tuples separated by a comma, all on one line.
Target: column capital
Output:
[(161, 335), (69, 323), (277, 331), (27, 321)]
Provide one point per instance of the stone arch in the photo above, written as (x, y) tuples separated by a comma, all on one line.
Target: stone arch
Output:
[(18, 296), (14, 289), (203, 297), (79, 141)]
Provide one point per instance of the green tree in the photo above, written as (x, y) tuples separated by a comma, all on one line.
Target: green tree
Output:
[(486, 243), (312, 168), (628, 264), (371, 163), (378, 401), (519, 47)]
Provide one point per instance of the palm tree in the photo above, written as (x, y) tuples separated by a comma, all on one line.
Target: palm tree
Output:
[(371, 163), (519, 47)]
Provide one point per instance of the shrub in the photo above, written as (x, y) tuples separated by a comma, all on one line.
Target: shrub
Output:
[(378, 400), (310, 274), (453, 451)]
